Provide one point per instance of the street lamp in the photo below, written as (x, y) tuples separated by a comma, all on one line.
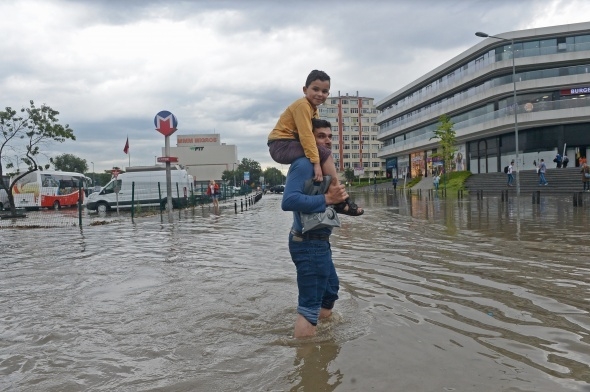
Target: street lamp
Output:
[(517, 175), (93, 181), (234, 171)]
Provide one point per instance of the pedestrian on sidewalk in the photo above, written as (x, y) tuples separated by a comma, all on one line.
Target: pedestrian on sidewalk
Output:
[(435, 181), (394, 183), (557, 160), (565, 161), (585, 177), (510, 175), (542, 169)]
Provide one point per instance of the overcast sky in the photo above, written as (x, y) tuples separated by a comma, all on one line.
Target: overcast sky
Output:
[(227, 67)]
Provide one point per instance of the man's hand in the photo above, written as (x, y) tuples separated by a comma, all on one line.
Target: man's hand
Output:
[(318, 176), (336, 194)]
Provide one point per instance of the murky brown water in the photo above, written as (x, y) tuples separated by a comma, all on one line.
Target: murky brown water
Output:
[(435, 296)]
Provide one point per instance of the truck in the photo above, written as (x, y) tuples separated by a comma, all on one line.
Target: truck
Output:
[(149, 190)]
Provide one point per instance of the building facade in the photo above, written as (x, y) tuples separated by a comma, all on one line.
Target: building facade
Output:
[(476, 88), (354, 130), (204, 156)]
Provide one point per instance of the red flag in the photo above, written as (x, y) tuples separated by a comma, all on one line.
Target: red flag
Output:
[(126, 149)]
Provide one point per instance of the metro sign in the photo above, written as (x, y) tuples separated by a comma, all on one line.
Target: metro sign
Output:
[(166, 123)]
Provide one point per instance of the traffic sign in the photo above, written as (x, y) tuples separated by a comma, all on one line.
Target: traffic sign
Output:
[(167, 159), (165, 122)]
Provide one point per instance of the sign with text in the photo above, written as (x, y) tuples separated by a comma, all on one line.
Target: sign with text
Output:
[(246, 176), (165, 122), (167, 159)]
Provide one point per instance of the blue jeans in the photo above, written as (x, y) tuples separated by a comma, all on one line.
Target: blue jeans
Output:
[(510, 179), (542, 180), (316, 277)]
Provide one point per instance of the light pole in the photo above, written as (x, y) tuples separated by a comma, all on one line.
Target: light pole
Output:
[(234, 171), (93, 181), (517, 175)]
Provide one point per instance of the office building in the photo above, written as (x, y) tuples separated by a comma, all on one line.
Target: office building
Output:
[(204, 156), (475, 89), (354, 140)]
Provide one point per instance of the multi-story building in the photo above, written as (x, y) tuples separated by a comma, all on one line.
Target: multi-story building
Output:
[(204, 156), (475, 89), (354, 143)]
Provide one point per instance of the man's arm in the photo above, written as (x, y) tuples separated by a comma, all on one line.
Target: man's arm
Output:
[(294, 199)]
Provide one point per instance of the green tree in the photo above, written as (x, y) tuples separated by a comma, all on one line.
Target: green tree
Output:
[(273, 176), (69, 162), (251, 166), (349, 175), (445, 133), (22, 135)]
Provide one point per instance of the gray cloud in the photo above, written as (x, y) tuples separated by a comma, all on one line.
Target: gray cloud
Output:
[(229, 67)]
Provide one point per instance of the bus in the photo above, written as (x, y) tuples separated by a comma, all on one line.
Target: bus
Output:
[(49, 189)]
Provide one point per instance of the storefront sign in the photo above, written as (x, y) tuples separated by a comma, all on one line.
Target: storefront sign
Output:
[(575, 91)]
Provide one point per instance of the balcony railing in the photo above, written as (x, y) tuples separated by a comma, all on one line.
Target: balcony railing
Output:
[(460, 73), (502, 113)]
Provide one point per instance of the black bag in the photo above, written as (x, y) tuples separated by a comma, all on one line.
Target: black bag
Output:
[(506, 170)]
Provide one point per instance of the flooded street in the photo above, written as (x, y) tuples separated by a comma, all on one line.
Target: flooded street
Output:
[(436, 295)]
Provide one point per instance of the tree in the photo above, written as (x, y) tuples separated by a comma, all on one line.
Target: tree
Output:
[(22, 135), (251, 166), (273, 176), (446, 135), (349, 175), (69, 162)]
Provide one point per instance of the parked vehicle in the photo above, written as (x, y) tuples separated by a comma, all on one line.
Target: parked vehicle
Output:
[(49, 189), (149, 189), (277, 189), (3, 195)]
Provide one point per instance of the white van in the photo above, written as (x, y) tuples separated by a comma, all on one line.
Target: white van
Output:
[(146, 191), (4, 200), (4, 205)]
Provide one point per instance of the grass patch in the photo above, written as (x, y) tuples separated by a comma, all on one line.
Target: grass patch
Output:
[(454, 181)]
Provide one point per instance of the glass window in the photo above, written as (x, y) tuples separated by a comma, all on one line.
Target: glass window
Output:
[(354, 102), (548, 46), (531, 48)]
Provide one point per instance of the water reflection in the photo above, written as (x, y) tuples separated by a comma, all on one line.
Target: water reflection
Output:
[(437, 294)]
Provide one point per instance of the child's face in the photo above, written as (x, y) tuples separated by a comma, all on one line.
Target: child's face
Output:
[(317, 92)]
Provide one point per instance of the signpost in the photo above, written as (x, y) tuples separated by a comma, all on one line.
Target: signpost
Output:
[(115, 173), (166, 123)]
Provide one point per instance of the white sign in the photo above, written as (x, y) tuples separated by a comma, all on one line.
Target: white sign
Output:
[(359, 171)]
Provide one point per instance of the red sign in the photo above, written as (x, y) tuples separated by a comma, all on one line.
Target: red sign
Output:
[(167, 159), (575, 91)]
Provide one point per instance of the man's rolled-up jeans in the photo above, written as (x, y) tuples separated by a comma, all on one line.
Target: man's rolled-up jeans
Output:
[(316, 277)]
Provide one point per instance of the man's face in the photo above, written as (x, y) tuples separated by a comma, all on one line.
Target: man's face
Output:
[(323, 136)]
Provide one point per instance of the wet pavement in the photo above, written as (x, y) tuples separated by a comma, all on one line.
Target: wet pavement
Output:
[(436, 295)]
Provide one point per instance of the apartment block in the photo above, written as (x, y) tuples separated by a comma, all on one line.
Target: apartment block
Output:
[(354, 129)]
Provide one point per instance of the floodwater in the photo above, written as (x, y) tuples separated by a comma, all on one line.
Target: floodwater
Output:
[(436, 295)]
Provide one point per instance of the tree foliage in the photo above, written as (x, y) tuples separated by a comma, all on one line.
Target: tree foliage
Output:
[(349, 174), (23, 134), (273, 176), (69, 162), (445, 133)]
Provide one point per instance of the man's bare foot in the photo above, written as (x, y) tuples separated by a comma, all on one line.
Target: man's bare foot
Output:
[(303, 328), (325, 313)]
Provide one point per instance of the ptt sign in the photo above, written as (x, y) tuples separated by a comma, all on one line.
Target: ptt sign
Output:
[(166, 123)]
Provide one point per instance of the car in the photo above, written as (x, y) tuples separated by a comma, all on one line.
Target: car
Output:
[(277, 189)]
